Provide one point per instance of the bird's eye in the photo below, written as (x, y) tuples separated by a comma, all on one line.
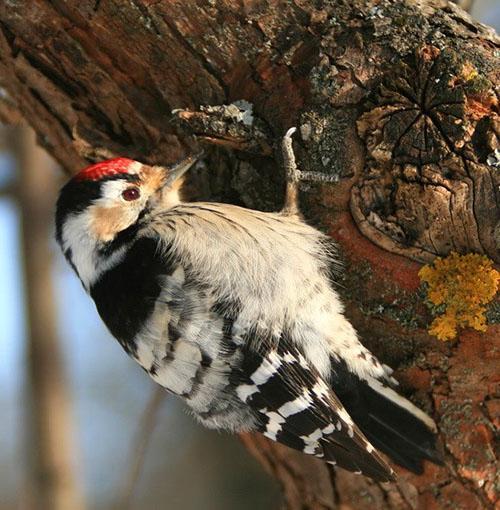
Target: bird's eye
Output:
[(130, 194)]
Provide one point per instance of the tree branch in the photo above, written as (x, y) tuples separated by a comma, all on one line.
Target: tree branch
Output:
[(395, 102)]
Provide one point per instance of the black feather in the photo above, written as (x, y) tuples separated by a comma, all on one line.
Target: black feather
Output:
[(345, 447), (391, 428), (125, 295)]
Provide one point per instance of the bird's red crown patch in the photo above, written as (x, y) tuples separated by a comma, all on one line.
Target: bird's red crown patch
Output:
[(104, 169)]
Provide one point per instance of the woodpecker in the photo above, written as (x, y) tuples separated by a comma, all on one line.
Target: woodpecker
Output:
[(234, 311)]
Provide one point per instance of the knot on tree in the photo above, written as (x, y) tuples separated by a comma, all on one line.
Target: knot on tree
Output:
[(430, 129)]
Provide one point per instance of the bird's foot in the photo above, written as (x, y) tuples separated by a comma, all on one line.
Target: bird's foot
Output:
[(294, 175)]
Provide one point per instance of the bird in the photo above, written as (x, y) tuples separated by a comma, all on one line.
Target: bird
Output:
[(236, 312)]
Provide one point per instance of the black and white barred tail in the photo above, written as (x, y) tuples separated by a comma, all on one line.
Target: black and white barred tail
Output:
[(298, 408)]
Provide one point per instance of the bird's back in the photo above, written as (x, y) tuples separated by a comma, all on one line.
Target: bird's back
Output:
[(267, 259)]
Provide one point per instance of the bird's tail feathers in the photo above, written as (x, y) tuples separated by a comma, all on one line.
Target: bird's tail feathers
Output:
[(390, 422)]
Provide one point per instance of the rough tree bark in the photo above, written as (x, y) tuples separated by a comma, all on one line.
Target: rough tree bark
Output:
[(397, 100)]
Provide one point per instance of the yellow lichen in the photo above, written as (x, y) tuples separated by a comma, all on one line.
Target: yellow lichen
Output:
[(461, 285), (468, 72)]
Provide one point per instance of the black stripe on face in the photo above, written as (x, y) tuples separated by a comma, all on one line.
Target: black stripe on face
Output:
[(76, 196), (121, 239)]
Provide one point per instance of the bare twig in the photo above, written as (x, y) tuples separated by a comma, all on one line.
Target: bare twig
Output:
[(139, 448)]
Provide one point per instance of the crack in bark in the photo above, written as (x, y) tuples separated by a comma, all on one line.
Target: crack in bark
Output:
[(466, 482), (61, 121), (144, 10), (428, 131), (184, 42)]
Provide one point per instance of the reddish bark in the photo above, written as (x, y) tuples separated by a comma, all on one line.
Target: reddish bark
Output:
[(395, 99)]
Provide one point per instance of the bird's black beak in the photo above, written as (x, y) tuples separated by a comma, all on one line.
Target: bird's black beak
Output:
[(179, 169)]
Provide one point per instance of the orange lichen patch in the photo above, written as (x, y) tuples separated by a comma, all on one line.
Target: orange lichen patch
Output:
[(463, 285)]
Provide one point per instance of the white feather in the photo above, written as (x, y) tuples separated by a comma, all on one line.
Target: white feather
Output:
[(76, 237)]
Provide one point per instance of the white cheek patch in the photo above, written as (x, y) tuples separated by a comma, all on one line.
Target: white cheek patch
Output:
[(108, 215), (76, 237), (84, 232)]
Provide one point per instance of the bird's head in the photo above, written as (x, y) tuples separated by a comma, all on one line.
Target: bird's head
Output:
[(100, 209)]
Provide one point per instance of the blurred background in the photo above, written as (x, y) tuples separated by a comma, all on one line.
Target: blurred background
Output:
[(81, 425)]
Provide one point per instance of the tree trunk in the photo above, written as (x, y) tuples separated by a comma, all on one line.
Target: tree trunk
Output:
[(396, 100), (52, 481)]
